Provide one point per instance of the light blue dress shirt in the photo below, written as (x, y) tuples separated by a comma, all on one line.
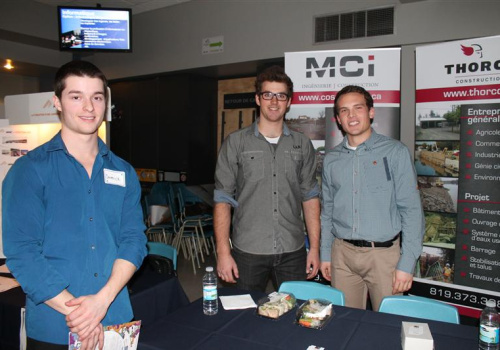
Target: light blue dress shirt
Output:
[(64, 230), (371, 194)]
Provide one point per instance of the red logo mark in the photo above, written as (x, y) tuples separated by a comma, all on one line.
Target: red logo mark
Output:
[(469, 50)]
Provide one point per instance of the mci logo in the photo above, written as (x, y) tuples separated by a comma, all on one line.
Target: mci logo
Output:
[(350, 66)]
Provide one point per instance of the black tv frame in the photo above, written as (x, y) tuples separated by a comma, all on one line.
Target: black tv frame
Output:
[(62, 47)]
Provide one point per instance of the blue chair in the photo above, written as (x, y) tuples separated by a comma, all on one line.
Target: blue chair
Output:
[(413, 306), (204, 222), (164, 250), (311, 290), (187, 236), (158, 232)]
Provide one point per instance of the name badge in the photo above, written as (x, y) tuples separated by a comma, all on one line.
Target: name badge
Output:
[(113, 177)]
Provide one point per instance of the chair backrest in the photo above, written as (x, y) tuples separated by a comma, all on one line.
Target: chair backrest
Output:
[(309, 290), (413, 306), (163, 249), (176, 217)]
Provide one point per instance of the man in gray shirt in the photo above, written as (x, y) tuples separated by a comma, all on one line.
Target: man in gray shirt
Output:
[(266, 172), (372, 222)]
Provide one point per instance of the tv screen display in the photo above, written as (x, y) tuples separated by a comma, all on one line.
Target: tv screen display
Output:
[(95, 29)]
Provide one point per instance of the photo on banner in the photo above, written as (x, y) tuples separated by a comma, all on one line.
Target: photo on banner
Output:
[(457, 143), (317, 77)]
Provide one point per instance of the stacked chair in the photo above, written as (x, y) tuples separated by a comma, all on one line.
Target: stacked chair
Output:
[(191, 235), (158, 232), (205, 221)]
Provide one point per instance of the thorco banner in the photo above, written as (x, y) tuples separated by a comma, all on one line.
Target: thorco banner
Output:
[(317, 77), (457, 157)]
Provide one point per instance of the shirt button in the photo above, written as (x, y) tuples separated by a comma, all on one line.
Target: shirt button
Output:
[(274, 192), (275, 210), (274, 175), (95, 274), (91, 219), (92, 247), (90, 191)]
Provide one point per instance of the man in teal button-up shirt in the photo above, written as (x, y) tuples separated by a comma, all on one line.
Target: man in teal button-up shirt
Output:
[(73, 230), (372, 222)]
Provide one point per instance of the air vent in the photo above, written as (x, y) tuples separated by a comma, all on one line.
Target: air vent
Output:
[(354, 25)]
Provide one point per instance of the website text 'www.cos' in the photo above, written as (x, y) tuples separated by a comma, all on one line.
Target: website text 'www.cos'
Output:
[(327, 98), (472, 92)]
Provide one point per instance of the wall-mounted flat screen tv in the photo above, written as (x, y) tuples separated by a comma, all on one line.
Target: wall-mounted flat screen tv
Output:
[(94, 29)]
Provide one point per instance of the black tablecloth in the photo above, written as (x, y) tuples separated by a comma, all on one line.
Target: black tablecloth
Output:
[(152, 296), (155, 295), (189, 328)]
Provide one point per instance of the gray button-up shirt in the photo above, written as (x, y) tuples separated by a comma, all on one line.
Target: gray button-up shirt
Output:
[(371, 194), (266, 184)]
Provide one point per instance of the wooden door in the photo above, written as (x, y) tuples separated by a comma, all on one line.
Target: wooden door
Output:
[(229, 120)]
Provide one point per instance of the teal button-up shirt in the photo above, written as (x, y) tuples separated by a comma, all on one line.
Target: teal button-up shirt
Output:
[(64, 230), (371, 194)]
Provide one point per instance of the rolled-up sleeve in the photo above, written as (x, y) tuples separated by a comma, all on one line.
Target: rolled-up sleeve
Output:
[(226, 172), (132, 240), (308, 182)]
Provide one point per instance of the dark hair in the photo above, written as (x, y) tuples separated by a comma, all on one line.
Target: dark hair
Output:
[(274, 74), (79, 69), (353, 88)]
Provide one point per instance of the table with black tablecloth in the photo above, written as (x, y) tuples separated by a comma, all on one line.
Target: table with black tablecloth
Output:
[(189, 328), (152, 296)]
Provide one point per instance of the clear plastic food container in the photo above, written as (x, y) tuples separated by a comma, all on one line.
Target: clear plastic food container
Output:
[(314, 313), (275, 305)]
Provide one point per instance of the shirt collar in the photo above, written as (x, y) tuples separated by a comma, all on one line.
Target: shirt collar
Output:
[(256, 132), (57, 144), (368, 144)]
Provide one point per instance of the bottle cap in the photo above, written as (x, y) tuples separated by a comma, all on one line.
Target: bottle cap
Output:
[(209, 269), (491, 303)]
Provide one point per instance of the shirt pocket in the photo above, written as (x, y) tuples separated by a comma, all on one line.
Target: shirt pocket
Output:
[(378, 177), (293, 163), (253, 165)]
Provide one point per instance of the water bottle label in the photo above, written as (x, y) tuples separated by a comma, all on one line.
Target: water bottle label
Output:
[(210, 292), (489, 334)]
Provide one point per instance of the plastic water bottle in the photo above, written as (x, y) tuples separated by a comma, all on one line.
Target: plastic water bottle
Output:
[(210, 301), (488, 327)]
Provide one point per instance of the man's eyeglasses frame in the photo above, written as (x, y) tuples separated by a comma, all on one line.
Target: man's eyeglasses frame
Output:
[(280, 96)]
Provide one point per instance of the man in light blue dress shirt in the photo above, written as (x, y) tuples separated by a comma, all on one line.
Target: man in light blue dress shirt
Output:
[(73, 229), (372, 222)]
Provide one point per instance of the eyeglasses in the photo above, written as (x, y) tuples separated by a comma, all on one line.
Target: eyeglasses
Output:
[(270, 95)]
